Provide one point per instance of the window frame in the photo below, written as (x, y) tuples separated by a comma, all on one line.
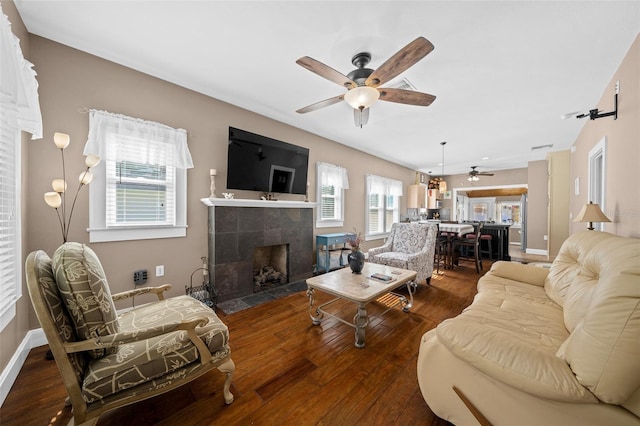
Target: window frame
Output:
[(597, 175), (339, 201), (386, 198)]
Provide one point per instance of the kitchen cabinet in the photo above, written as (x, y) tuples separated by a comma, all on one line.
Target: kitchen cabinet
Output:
[(417, 197), (433, 199)]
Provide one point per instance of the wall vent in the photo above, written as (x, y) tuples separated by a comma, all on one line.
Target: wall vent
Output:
[(403, 84)]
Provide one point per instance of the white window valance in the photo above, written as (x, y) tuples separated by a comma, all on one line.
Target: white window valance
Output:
[(331, 175), (156, 143), (18, 85), (383, 185)]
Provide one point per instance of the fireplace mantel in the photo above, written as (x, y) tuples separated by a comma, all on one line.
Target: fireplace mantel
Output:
[(237, 202)]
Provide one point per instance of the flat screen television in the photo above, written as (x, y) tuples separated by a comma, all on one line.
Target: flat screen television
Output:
[(259, 163)]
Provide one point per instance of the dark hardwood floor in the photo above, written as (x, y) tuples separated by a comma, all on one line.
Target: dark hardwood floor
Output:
[(288, 370)]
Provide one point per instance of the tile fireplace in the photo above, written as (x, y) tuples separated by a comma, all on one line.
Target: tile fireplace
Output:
[(244, 233)]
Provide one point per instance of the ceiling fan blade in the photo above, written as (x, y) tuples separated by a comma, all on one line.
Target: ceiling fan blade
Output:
[(401, 61), (484, 174), (320, 104), (406, 96), (361, 117), (326, 71)]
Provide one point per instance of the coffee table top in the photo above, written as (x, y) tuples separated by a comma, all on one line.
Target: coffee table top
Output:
[(360, 287)]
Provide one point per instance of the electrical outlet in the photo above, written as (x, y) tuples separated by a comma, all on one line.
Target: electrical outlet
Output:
[(544, 237), (140, 276), (160, 271)]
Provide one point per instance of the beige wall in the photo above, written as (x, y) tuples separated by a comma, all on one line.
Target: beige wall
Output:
[(537, 202), (559, 195), (622, 193), (15, 331), (71, 80)]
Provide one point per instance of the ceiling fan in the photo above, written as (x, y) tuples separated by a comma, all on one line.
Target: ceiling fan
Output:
[(473, 174), (362, 83)]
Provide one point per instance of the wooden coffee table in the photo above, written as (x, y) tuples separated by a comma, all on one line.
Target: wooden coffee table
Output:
[(359, 289)]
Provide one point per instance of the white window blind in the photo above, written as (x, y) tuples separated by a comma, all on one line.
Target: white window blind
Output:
[(332, 181), (382, 204), (19, 110), (10, 261), (138, 194), (140, 190)]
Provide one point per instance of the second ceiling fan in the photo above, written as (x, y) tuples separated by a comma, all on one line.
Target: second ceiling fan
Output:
[(362, 84), (473, 174)]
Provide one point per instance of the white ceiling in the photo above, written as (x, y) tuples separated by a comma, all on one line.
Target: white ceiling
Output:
[(503, 71)]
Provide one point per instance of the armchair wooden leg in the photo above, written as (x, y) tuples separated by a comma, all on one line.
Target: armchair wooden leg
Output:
[(228, 368)]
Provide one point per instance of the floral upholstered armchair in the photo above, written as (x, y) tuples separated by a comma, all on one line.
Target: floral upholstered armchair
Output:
[(108, 360), (409, 246)]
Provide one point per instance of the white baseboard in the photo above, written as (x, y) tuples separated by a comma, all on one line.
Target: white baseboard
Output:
[(33, 339), (537, 251)]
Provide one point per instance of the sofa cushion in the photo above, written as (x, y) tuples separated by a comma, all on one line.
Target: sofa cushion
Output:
[(511, 332), (84, 290), (604, 347), (514, 271), (164, 354), (570, 277)]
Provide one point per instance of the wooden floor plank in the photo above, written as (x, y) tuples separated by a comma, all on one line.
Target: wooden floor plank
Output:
[(289, 371)]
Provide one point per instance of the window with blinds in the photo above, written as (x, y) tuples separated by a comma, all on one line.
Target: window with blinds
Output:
[(139, 191), (329, 203), (10, 252), (382, 205), (332, 181), (138, 194)]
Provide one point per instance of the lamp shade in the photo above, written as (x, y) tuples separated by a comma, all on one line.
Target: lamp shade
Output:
[(91, 160), (59, 185), (591, 213), (362, 97), (53, 199), (61, 140), (85, 178)]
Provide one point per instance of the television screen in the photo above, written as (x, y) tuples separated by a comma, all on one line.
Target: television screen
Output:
[(259, 163)]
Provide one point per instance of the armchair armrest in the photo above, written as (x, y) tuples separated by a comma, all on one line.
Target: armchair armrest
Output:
[(113, 340), (382, 249), (159, 291)]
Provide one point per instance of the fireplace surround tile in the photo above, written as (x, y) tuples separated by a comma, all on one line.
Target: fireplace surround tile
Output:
[(237, 230)]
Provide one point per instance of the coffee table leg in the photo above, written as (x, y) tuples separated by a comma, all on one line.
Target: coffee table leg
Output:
[(408, 304), (316, 315), (360, 321)]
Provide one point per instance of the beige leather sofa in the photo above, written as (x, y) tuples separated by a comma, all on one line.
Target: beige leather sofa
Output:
[(558, 346)]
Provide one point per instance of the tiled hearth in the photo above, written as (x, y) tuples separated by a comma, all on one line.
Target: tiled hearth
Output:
[(236, 227)]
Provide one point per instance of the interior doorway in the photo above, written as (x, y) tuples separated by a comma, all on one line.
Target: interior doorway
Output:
[(501, 204)]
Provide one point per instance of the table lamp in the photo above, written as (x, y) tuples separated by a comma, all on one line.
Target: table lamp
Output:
[(591, 213)]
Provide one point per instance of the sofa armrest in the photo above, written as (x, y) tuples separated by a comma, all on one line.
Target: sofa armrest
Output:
[(158, 291), (520, 272)]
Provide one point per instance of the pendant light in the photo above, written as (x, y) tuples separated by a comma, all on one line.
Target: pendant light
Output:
[(443, 184)]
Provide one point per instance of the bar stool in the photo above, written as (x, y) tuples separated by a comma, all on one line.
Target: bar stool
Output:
[(488, 239)]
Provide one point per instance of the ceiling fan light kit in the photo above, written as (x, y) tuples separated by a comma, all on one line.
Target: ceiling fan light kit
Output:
[(362, 97), (362, 83)]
